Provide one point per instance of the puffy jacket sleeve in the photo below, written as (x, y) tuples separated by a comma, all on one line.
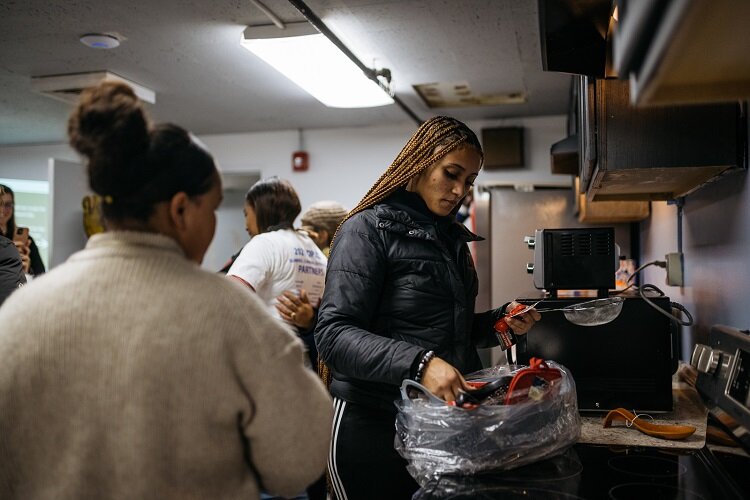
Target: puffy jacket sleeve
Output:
[(483, 329), (355, 279)]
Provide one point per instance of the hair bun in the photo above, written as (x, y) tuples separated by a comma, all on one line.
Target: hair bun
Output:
[(109, 127)]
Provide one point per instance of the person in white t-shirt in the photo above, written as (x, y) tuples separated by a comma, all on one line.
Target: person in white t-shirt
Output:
[(283, 266), (280, 261)]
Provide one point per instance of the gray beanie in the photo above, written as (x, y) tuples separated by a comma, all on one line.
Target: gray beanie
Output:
[(324, 215)]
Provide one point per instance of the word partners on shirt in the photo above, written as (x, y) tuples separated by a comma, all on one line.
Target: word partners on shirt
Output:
[(309, 273)]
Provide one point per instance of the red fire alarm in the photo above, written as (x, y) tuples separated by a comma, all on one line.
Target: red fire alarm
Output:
[(300, 161)]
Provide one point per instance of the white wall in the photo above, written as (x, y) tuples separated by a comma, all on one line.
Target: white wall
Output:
[(31, 162), (344, 163)]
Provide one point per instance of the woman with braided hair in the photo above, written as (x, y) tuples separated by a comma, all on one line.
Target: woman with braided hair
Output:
[(399, 303)]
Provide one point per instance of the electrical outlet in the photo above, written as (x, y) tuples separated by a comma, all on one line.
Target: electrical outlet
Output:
[(674, 269)]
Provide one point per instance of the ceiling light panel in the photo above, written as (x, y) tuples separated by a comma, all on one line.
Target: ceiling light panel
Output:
[(316, 65)]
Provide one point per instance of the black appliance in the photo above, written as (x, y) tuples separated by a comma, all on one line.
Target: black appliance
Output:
[(574, 258), (594, 471), (626, 363)]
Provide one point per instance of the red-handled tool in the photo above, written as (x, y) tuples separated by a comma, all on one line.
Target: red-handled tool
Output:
[(504, 333)]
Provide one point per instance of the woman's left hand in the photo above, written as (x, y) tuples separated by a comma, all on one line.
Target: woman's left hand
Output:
[(522, 323), (25, 251), (296, 309)]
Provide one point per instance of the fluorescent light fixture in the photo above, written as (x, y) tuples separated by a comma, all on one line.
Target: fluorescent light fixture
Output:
[(311, 61)]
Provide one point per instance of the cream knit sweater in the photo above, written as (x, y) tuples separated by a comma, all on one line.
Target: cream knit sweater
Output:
[(128, 372)]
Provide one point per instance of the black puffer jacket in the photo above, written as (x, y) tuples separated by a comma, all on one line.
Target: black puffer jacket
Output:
[(400, 282), (11, 269)]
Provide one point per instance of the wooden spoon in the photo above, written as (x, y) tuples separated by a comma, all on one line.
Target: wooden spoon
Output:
[(663, 431)]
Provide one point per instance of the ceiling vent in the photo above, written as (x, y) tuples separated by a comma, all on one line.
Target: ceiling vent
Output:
[(460, 94), (67, 88)]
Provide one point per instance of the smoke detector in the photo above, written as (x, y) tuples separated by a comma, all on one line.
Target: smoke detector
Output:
[(67, 88), (100, 41)]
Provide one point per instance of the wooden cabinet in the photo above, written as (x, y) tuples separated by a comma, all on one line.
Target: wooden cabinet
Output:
[(580, 146), (684, 51), (609, 212), (655, 153), (587, 130)]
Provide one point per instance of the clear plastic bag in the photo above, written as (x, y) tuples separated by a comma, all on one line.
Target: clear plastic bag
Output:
[(437, 439)]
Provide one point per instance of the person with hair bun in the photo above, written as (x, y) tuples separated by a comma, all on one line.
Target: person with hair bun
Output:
[(399, 304), (146, 376)]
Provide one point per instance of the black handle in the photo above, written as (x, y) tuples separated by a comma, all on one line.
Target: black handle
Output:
[(477, 396)]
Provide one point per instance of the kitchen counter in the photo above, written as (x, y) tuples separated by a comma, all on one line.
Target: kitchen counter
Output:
[(688, 409)]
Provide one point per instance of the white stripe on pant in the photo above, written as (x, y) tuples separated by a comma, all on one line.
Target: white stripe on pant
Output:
[(338, 488)]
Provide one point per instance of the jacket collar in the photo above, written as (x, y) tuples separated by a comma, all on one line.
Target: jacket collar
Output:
[(406, 212)]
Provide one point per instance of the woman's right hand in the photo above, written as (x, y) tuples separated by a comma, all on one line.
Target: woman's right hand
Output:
[(443, 380)]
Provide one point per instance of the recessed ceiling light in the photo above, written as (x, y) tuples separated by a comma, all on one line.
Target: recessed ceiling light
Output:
[(100, 41)]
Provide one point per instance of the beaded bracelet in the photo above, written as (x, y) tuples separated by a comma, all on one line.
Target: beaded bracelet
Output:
[(423, 365)]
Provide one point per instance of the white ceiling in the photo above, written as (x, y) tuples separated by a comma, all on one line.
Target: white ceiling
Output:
[(188, 52)]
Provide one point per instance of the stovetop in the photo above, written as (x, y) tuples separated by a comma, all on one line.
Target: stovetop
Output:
[(596, 472)]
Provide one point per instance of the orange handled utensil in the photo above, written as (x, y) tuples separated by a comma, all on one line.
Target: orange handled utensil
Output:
[(663, 431)]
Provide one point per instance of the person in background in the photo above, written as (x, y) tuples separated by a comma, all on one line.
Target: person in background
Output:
[(30, 252), (320, 220), (399, 304), (280, 261), (282, 265), (146, 376), (92, 215), (228, 264), (12, 275)]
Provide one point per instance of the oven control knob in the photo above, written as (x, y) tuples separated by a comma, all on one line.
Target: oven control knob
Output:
[(530, 267), (705, 359), (530, 241)]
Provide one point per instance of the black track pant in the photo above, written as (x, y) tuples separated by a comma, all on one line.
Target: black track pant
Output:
[(363, 463)]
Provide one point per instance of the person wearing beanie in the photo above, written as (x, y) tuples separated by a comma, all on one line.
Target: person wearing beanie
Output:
[(320, 220)]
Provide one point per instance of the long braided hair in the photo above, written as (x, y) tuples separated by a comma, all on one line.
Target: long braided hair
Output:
[(434, 139)]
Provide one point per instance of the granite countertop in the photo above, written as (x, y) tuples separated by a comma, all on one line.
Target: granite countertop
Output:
[(688, 410)]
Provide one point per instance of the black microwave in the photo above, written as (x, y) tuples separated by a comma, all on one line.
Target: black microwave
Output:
[(626, 363)]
